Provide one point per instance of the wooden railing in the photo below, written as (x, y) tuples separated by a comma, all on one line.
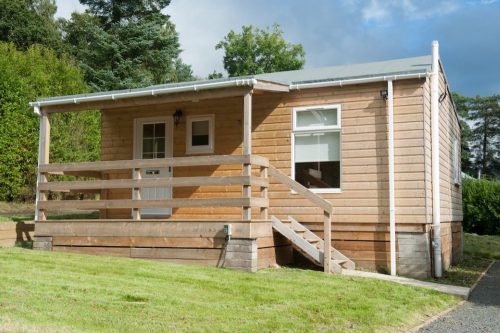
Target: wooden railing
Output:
[(325, 205), (95, 169)]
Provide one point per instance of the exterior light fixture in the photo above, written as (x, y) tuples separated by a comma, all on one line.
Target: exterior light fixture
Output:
[(384, 94), (177, 117)]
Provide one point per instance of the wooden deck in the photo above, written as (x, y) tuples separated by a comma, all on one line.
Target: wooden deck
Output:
[(251, 244)]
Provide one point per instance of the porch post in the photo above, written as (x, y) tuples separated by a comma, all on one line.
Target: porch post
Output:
[(247, 149), (43, 158)]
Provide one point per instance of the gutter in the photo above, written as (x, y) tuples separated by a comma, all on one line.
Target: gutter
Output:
[(143, 93), (436, 186), (341, 83)]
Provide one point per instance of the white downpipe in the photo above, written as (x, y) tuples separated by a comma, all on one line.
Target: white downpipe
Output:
[(436, 197), (392, 209)]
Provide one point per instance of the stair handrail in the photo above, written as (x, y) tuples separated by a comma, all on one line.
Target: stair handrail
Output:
[(317, 200)]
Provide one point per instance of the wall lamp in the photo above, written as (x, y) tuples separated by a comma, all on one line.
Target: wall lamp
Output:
[(384, 94), (177, 117)]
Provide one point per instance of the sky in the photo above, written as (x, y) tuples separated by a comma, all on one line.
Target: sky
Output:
[(337, 32)]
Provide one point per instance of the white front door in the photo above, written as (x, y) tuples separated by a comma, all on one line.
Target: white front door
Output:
[(153, 138)]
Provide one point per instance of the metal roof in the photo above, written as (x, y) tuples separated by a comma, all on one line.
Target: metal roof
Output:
[(346, 72), (380, 69)]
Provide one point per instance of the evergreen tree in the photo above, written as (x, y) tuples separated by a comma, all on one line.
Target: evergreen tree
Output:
[(28, 22), (463, 104), (125, 44), (485, 135)]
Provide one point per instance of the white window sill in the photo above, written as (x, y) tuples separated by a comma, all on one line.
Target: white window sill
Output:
[(321, 190)]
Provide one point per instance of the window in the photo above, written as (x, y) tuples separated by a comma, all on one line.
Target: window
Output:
[(153, 142), (200, 134), (316, 147), (456, 169)]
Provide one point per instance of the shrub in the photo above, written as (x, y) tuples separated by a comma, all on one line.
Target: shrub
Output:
[(481, 205), (24, 77)]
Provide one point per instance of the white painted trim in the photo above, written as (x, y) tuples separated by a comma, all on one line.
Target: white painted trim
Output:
[(209, 149), (169, 145), (325, 129), (318, 107), (169, 135)]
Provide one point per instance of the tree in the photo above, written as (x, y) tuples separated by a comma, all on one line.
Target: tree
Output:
[(24, 77), (125, 44), (28, 22), (256, 51), (463, 103), (215, 75), (485, 135)]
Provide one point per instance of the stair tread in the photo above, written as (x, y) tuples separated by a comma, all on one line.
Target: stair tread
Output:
[(309, 244), (311, 240)]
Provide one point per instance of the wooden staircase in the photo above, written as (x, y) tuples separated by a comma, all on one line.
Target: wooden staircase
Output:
[(310, 245)]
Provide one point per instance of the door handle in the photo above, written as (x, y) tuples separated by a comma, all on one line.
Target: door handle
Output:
[(152, 172)]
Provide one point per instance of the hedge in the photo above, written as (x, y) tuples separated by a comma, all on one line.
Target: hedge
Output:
[(481, 206)]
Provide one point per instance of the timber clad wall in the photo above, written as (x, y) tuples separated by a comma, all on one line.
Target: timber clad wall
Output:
[(361, 213), (451, 194)]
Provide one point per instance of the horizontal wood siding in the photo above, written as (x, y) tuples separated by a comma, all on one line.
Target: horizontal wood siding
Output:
[(364, 199), (117, 143), (451, 194)]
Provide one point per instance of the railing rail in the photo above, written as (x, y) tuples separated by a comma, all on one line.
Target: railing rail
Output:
[(136, 183), (325, 205)]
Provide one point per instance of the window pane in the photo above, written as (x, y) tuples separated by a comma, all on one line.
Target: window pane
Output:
[(200, 140), (200, 127), (317, 118), (317, 147), (148, 130), (200, 133), (318, 174), (147, 155), (160, 145), (160, 155), (147, 146), (160, 130)]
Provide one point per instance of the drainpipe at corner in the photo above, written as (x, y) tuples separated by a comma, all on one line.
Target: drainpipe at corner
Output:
[(392, 209), (436, 188)]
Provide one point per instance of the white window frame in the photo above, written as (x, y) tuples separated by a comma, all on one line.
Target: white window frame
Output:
[(317, 129), (456, 169), (207, 149)]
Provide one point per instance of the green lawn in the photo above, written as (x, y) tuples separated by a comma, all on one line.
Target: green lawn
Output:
[(482, 246), (479, 251), (62, 292)]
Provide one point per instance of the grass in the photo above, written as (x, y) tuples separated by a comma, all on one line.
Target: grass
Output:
[(63, 292), (483, 246), (478, 254)]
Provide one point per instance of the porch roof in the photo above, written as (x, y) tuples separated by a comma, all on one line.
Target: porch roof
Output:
[(277, 82)]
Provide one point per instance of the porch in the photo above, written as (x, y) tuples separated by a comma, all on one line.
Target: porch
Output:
[(246, 243)]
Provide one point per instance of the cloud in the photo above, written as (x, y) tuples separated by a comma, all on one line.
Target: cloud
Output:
[(376, 11), (394, 10)]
